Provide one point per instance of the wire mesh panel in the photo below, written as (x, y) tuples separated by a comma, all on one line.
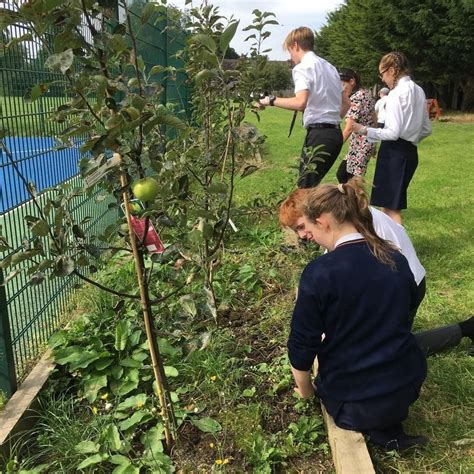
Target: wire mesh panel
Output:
[(160, 41), (30, 314)]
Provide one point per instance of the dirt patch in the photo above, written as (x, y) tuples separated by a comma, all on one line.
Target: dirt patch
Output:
[(310, 464), (282, 415), (200, 452), (261, 412)]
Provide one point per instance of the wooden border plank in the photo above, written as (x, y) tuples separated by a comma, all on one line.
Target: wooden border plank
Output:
[(348, 448), (22, 399), (349, 451)]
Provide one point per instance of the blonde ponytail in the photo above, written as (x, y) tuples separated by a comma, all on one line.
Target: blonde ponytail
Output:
[(349, 203)]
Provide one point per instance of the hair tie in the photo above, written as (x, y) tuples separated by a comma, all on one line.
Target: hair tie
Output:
[(340, 186)]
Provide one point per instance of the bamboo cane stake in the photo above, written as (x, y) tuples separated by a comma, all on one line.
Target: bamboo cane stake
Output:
[(157, 365)]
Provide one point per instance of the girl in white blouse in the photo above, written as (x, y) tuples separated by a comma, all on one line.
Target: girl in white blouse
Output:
[(406, 124)]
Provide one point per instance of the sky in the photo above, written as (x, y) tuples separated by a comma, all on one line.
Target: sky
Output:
[(289, 13)]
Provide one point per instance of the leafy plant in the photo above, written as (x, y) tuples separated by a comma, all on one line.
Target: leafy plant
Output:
[(3, 399), (303, 435), (264, 455), (127, 134)]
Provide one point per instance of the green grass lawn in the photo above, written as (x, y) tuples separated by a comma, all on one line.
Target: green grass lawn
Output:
[(440, 221)]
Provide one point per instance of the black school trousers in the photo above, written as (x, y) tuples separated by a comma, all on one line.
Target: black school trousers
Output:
[(320, 150)]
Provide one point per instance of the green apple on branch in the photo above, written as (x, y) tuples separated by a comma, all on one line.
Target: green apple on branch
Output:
[(146, 189)]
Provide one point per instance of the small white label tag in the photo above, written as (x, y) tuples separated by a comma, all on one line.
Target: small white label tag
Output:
[(234, 228)]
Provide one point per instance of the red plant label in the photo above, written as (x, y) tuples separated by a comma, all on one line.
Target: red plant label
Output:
[(152, 239)]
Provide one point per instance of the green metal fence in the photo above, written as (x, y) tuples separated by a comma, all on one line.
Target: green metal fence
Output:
[(30, 314)]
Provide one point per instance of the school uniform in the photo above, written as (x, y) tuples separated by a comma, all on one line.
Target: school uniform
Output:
[(406, 124), (380, 111), (370, 366), (431, 341), (395, 233), (321, 117)]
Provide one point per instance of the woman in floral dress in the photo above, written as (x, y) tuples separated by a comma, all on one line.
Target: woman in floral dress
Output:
[(362, 111)]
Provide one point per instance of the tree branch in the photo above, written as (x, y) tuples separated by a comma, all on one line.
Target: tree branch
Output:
[(231, 192), (169, 295), (105, 288)]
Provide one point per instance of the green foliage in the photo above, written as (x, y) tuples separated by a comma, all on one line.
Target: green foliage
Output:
[(115, 107), (264, 455), (3, 400), (277, 76), (435, 36), (303, 435), (208, 425), (105, 361)]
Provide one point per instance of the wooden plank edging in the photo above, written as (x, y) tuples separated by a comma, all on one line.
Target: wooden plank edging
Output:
[(349, 451), (20, 402)]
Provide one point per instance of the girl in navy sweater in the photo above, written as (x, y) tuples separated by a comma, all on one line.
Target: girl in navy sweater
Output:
[(359, 295)]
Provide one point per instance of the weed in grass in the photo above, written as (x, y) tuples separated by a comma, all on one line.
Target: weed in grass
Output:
[(264, 455), (303, 435), (3, 400)]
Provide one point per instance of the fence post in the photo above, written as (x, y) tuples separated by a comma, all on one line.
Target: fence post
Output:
[(7, 362)]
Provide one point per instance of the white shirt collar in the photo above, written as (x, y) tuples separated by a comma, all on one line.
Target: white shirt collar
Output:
[(348, 238), (403, 79), (307, 55)]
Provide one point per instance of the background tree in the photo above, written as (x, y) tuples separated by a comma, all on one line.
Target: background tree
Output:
[(277, 76), (14, 59), (436, 36)]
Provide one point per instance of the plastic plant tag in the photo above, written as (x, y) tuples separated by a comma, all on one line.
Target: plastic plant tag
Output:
[(135, 206), (152, 240), (234, 227)]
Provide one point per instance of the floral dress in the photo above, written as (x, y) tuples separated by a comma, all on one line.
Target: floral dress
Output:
[(362, 111)]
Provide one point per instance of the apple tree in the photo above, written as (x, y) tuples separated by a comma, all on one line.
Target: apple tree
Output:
[(182, 167)]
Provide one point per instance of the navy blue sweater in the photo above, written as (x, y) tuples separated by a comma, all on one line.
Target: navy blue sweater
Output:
[(362, 306)]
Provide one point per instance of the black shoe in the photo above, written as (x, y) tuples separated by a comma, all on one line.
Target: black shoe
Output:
[(405, 442), (395, 438), (467, 327)]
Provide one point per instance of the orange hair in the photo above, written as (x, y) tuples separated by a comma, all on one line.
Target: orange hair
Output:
[(291, 207)]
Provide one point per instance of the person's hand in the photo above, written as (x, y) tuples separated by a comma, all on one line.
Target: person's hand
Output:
[(359, 129), (265, 101), (346, 88), (306, 392), (262, 103)]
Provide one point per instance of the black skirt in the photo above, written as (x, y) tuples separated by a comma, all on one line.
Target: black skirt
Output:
[(396, 165)]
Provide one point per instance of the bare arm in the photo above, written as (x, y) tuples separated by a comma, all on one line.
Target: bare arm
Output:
[(348, 128), (346, 103), (298, 102), (304, 387)]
